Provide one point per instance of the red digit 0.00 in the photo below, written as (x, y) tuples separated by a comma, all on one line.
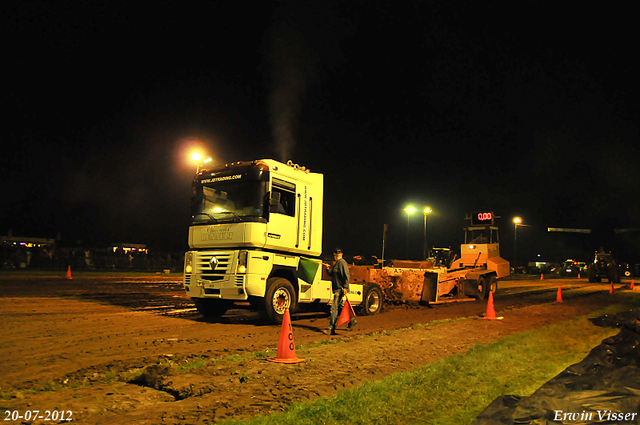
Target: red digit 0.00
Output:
[(484, 216)]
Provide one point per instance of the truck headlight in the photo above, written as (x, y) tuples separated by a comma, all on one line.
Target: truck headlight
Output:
[(188, 268), (242, 262)]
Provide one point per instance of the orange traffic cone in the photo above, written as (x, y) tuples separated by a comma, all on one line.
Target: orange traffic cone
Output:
[(69, 273), (559, 296), (578, 275), (541, 276), (346, 314), (286, 347), (633, 286), (491, 311), (611, 290)]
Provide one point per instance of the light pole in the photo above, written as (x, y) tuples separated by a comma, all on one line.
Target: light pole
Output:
[(426, 211), (384, 241), (409, 210), (516, 221)]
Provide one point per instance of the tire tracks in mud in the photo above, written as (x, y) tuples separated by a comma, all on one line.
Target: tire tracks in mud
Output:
[(247, 385)]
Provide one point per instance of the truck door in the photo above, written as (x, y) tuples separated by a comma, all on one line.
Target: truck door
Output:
[(282, 228)]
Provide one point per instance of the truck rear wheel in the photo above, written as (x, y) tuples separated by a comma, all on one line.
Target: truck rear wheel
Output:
[(211, 307), (492, 285), (280, 296), (371, 300)]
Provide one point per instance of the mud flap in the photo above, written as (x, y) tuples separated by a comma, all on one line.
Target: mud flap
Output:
[(430, 287)]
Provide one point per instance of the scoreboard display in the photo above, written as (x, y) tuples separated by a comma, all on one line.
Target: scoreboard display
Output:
[(482, 218)]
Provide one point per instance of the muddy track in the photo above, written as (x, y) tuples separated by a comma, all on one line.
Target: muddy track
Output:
[(90, 339)]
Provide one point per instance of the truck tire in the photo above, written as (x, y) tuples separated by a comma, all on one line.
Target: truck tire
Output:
[(279, 297), (593, 274), (371, 300), (492, 284), (482, 288), (211, 308)]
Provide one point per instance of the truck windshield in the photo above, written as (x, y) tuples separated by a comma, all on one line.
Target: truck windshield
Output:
[(228, 201), (481, 235)]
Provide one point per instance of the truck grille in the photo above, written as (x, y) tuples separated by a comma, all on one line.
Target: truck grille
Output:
[(212, 266)]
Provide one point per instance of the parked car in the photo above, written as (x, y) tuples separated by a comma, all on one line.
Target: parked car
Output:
[(573, 268)]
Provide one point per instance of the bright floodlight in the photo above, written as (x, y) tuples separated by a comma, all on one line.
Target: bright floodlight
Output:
[(409, 210), (517, 220), (196, 156), (427, 210)]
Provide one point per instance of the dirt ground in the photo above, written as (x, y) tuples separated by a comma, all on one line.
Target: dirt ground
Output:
[(72, 338)]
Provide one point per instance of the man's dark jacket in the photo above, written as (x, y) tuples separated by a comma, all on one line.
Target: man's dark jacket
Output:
[(339, 275)]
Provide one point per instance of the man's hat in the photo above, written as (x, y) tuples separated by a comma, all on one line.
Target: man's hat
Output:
[(337, 251)]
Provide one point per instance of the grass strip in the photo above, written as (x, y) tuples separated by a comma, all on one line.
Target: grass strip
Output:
[(454, 390)]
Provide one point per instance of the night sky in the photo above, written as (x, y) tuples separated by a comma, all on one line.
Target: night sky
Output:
[(521, 108)]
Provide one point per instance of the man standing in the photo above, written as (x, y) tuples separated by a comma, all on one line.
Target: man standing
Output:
[(339, 273)]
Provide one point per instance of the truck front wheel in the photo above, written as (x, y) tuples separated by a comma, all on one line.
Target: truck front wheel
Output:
[(371, 300), (211, 307), (280, 296)]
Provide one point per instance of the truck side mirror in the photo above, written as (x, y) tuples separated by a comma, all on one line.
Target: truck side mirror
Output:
[(274, 202)]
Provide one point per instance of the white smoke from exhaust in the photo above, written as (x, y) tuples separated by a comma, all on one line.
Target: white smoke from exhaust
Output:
[(293, 67)]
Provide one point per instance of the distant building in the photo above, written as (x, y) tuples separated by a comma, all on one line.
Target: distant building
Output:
[(22, 252), (130, 247), (17, 241)]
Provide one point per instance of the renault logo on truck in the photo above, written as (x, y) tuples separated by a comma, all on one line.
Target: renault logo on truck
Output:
[(213, 262)]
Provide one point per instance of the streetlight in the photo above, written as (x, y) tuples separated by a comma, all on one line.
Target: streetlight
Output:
[(197, 158), (516, 221), (426, 211), (409, 210)]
